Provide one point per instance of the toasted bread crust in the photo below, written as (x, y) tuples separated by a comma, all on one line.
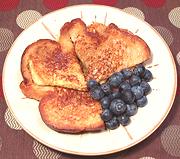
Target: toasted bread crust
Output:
[(33, 91), (104, 50), (27, 86), (68, 33), (71, 111), (96, 28), (44, 64), (118, 49)]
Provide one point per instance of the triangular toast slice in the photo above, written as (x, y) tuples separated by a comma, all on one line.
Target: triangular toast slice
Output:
[(45, 64), (104, 50), (71, 111)]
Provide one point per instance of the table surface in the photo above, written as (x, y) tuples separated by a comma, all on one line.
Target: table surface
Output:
[(17, 15)]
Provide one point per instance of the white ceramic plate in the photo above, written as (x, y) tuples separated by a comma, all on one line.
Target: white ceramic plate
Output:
[(144, 123)]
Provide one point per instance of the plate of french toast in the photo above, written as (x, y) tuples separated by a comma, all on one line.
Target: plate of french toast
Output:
[(89, 80)]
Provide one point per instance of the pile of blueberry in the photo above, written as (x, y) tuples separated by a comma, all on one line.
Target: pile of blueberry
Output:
[(121, 95)]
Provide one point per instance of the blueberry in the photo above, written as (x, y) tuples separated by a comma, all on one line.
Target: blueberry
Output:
[(114, 95), (115, 79), (125, 85), (106, 115), (127, 73), (127, 96), (131, 109), (139, 70), (134, 80), (97, 93), (137, 91), (142, 101), (120, 76), (106, 88), (147, 76), (112, 124), (117, 106), (146, 87), (105, 102), (92, 83), (123, 119)]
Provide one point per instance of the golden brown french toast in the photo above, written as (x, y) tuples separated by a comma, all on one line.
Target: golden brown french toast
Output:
[(106, 49), (27, 86), (69, 32), (96, 27), (72, 111), (119, 49), (53, 73), (47, 65), (33, 91)]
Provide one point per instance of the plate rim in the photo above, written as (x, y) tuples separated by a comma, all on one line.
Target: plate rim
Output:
[(170, 104)]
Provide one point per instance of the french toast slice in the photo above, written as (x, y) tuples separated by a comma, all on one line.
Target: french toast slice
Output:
[(33, 91), (45, 64), (104, 50), (96, 27), (53, 74), (118, 49), (69, 33), (27, 86), (71, 111)]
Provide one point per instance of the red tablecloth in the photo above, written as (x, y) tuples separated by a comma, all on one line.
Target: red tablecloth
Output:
[(17, 15)]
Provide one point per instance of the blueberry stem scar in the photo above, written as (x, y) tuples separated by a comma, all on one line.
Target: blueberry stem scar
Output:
[(48, 30), (127, 132)]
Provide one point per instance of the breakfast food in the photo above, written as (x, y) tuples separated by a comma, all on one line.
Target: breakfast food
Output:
[(81, 79), (33, 91), (72, 111), (122, 94), (106, 49), (48, 65)]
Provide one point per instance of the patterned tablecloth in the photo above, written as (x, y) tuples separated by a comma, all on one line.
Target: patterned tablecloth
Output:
[(17, 15)]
